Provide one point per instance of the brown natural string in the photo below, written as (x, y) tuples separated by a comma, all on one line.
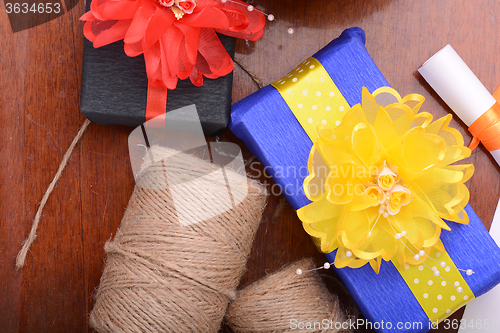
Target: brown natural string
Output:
[(163, 277), (274, 302), (254, 77), (21, 257), (249, 161)]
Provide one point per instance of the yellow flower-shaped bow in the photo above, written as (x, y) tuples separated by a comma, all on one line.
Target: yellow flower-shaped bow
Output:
[(382, 182)]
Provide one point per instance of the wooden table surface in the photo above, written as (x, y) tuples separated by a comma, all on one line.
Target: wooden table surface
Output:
[(40, 72)]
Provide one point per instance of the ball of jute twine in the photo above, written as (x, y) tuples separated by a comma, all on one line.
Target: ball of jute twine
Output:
[(161, 276), (276, 302)]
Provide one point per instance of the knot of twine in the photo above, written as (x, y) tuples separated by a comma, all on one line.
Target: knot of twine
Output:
[(274, 302), (161, 276)]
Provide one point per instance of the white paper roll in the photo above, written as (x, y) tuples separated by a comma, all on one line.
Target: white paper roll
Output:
[(455, 83)]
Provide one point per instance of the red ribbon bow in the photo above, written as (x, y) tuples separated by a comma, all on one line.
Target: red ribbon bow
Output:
[(174, 47)]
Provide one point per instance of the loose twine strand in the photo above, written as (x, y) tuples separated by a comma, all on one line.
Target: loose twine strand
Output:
[(274, 302), (21, 257), (254, 77), (161, 276)]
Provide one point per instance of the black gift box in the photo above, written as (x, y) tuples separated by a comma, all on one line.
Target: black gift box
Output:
[(114, 89)]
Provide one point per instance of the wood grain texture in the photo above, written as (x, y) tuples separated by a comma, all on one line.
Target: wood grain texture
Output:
[(39, 97)]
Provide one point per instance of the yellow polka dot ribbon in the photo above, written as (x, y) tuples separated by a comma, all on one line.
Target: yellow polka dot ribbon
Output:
[(439, 294), (313, 97)]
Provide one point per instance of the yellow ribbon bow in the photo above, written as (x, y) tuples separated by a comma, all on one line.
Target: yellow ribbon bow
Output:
[(382, 182)]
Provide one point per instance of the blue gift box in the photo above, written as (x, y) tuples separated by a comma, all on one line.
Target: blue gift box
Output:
[(270, 130)]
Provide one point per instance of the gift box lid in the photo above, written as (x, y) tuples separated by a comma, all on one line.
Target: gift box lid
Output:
[(114, 89)]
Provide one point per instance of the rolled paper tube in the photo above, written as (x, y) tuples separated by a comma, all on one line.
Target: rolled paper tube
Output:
[(457, 85), (285, 301), (161, 276)]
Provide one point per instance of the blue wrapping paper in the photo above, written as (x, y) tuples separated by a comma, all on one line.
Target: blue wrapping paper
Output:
[(268, 127)]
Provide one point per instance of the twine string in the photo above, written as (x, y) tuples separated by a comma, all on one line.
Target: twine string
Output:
[(161, 276), (254, 77), (21, 257), (274, 302)]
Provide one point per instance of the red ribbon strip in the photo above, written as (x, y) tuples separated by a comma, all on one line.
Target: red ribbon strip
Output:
[(157, 101)]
